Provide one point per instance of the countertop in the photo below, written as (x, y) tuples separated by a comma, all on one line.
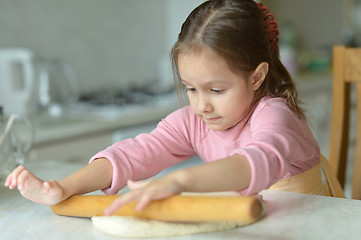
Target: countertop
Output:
[(289, 216), (83, 119)]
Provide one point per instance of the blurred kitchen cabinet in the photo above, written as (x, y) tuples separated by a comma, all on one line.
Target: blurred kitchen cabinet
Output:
[(78, 136), (82, 147), (76, 149)]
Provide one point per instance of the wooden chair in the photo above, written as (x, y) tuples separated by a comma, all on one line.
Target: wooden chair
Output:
[(346, 74)]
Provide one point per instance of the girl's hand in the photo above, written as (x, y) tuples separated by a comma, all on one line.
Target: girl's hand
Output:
[(33, 188), (146, 191)]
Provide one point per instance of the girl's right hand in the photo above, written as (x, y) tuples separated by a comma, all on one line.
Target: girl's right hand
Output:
[(33, 188), (147, 191)]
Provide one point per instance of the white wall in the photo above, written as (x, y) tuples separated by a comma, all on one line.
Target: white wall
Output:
[(108, 42)]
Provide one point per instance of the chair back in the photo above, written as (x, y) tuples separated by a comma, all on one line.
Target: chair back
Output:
[(346, 75)]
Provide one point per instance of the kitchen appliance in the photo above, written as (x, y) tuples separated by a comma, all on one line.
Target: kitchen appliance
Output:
[(57, 86), (16, 79), (29, 84)]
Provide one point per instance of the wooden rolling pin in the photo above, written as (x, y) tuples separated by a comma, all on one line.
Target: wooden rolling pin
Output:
[(177, 208)]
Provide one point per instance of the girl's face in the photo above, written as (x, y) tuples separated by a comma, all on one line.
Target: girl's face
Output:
[(217, 95)]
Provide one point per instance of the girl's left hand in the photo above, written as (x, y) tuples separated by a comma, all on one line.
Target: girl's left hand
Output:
[(146, 191)]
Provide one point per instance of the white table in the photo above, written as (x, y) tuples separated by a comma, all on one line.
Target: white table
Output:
[(289, 216)]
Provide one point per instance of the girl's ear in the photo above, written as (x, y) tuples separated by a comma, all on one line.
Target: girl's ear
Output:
[(259, 75)]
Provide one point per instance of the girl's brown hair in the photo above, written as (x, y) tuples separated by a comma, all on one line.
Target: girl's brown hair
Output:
[(235, 31)]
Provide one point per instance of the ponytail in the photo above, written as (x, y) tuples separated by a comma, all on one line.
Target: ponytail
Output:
[(280, 83)]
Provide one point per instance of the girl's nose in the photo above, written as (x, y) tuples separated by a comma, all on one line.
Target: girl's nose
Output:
[(204, 104)]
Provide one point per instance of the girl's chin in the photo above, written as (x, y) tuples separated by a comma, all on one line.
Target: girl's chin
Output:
[(219, 127), (216, 127)]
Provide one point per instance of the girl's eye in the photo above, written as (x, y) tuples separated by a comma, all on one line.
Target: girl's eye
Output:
[(217, 91), (190, 89)]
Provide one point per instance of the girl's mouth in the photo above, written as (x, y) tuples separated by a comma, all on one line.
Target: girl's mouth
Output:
[(212, 119)]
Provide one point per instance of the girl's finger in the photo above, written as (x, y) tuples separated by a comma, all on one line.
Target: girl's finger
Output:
[(120, 202), (12, 179), (7, 181), (22, 178), (135, 185), (143, 202)]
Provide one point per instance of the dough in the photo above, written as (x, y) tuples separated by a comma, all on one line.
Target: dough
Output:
[(131, 227)]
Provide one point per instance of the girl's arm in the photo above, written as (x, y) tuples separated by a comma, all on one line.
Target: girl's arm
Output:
[(94, 176), (229, 174)]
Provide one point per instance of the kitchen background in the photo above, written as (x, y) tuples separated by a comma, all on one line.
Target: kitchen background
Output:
[(96, 52)]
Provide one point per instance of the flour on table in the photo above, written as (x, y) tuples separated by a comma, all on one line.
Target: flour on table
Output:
[(131, 227)]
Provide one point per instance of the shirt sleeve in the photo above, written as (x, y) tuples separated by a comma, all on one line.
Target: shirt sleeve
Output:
[(279, 138), (148, 154)]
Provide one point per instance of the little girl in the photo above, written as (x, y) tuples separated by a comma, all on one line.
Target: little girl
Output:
[(243, 121)]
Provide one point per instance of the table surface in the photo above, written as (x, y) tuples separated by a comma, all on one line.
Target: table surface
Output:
[(289, 216)]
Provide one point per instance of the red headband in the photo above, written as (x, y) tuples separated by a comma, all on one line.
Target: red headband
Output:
[(270, 25)]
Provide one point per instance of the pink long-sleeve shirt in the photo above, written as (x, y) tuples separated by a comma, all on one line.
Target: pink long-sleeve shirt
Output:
[(275, 141)]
